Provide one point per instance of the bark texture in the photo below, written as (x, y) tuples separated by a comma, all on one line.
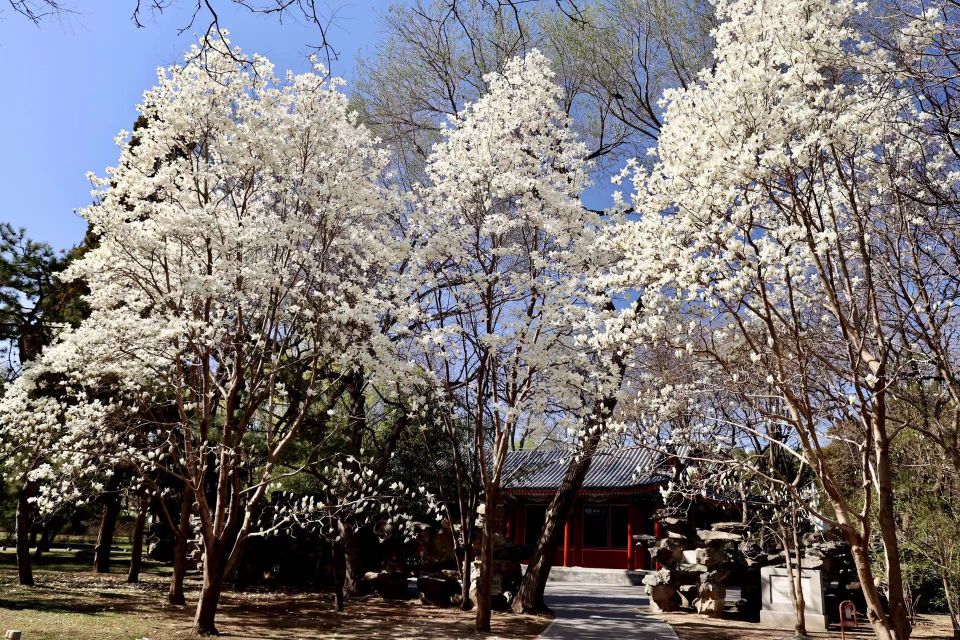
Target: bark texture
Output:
[(349, 546), (466, 602), (181, 535), (108, 525), (485, 579), (136, 552), (339, 572), (204, 623), (529, 598), (23, 526)]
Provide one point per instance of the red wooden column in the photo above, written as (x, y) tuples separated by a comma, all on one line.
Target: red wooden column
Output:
[(656, 534), (566, 543), (630, 514), (510, 516)]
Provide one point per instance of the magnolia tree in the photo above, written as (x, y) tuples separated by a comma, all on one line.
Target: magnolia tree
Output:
[(244, 247), (732, 449), (350, 494), (31, 432), (612, 62), (778, 176), (500, 237), (921, 274)]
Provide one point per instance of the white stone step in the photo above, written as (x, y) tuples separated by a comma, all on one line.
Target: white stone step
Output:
[(586, 575)]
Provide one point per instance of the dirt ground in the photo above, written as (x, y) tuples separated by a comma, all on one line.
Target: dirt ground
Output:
[(81, 606), (690, 626), (70, 603)]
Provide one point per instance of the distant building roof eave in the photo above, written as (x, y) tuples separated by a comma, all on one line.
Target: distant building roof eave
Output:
[(621, 470)]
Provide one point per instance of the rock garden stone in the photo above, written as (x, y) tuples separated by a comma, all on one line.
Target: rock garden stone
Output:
[(437, 590)]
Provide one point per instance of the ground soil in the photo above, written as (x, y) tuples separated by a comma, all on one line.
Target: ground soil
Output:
[(690, 626), (70, 603), (77, 605)]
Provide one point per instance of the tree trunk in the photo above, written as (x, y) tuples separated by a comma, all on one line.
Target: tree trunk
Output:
[(23, 525), (898, 610), (108, 524), (339, 571), (204, 623), (352, 561), (47, 534), (529, 598), (882, 626), (791, 553), (467, 602), (951, 606), (181, 535), (38, 549), (485, 579), (136, 553)]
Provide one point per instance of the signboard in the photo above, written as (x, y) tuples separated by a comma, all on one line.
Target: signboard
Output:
[(848, 617), (780, 589)]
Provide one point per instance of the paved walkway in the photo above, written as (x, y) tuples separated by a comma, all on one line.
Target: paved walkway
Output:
[(601, 612)]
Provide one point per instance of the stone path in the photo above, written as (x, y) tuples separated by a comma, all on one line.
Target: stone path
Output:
[(601, 611)]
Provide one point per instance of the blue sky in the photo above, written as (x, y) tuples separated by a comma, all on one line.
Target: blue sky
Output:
[(71, 84)]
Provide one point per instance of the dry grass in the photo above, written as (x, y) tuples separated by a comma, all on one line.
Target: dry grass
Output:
[(81, 606), (690, 626)]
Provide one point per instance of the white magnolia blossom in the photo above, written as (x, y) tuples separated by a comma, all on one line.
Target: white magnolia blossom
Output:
[(771, 216), (245, 246), (250, 260), (500, 244)]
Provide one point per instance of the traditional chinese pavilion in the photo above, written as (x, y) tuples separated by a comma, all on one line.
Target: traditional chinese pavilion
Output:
[(617, 501)]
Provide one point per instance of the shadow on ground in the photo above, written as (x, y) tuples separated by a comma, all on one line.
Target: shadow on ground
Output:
[(81, 606)]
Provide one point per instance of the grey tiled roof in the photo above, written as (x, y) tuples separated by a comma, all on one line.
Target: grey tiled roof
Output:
[(610, 469)]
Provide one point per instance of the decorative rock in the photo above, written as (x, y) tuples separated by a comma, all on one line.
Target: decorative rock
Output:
[(438, 591), (716, 577), (669, 552), (831, 536), (711, 556), (712, 599), (731, 527), (657, 577), (718, 536), (814, 559), (663, 598), (644, 539), (689, 573), (391, 585), (662, 590), (369, 581), (752, 552), (438, 547), (688, 594)]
